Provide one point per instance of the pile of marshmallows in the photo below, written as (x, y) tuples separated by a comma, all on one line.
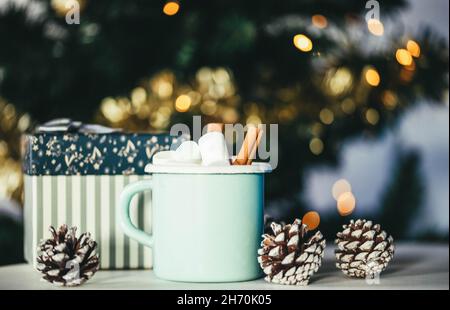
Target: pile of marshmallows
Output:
[(211, 149)]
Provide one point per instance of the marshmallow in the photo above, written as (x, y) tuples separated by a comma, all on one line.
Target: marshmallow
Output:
[(188, 152), (163, 157), (213, 149)]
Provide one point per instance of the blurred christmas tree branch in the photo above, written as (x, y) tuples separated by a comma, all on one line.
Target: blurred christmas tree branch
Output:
[(12, 126), (404, 195)]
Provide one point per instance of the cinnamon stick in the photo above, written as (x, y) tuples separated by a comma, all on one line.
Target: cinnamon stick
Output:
[(247, 146), (255, 146)]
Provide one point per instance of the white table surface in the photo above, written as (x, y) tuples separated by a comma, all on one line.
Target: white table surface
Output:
[(415, 266)]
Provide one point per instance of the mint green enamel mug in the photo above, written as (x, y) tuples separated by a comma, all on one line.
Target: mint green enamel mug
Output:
[(207, 221)]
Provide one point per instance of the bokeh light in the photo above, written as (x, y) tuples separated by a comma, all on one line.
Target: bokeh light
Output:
[(171, 8), (406, 75), (319, 21), (372, 77), (311, 219), (208, 107), (138, 97), (403, 57), (413, 48), (183, 103), (339, 187), (230, 115), (253, 119), (62, 7), (346, 203), (348, 106), (326, 116), (303, 43), (316, 146), (372, 116), (339, 81), (113, 110), (389, 99), (375, 27)]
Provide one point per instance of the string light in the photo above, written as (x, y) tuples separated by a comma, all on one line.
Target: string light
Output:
[(319, 21), (372, 77), (403, 57), (375, 27), (183, 103), (303, 43), (413, 48), (171, 8)]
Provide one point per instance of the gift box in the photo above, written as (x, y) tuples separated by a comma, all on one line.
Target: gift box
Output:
[(75, 173)]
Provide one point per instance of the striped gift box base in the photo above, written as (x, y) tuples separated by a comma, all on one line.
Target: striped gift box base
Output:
[(90, 203)]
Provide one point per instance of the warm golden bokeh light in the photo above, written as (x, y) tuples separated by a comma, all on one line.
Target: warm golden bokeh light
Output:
[(311, 219), (339, 81), (316, 146), (375, 27), (113, 110), (372, 116), (372, 77), (162, 85), (183, 103), (303, 43), (171, 8), (138, 97), (339, 187), (230, 115), (208, 107), (319, 21), (389, 99), (348, 106), (316, 129), (406, 75), (326, 116), (3, 148), (253, 119), (62, 7), (413, 48), (346, 203), (403, 57)]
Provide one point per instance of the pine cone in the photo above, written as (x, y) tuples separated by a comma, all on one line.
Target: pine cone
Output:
[(65, 260), (268, 220), (292, 255), (364, 250)]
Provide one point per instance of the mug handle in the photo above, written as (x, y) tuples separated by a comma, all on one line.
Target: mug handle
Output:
[(125, 199)]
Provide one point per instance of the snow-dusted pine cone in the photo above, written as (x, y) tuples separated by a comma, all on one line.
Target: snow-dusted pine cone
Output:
[(268, 220), (364, 250), (292, 254), (66, 260)]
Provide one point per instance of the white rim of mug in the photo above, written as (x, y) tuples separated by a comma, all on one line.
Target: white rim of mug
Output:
[(255, 167)]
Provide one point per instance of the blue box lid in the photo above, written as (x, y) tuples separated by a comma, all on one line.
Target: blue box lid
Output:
[(82, 153)]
